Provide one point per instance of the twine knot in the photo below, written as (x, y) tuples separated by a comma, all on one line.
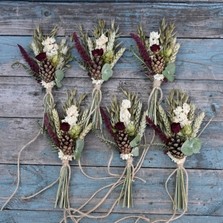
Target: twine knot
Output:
[(157, 83), (65, 162), (97, 86), (129, 161)]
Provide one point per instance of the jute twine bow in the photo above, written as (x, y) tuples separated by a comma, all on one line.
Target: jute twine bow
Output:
[(48, 93)]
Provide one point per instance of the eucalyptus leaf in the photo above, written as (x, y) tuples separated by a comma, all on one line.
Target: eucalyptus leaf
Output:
[(59, 75), (135, 151), (79, 148), (106, 72), (169, 72), (191, 146), (135, 142)]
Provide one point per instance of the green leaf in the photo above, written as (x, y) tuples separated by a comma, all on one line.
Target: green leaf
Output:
[(135, 142), (106, 72), (59, 75), (191, 146), (169, 72), (79, 148), (135, 151)]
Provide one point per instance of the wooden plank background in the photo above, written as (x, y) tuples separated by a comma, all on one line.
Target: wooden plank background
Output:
[(199, 71)]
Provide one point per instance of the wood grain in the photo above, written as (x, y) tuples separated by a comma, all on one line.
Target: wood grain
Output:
[(205, 194), (196, 60), (198, 20), (199, 71), (41, 151)]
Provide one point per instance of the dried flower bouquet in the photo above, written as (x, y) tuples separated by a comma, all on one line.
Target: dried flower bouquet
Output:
[(178, 128), (126, 123), (99, 53), (157, 55)]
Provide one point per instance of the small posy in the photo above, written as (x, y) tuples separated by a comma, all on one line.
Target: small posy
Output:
[(67, 135), (99, 53), (126, 123), (157, 54), (178, 128), (50, 57)]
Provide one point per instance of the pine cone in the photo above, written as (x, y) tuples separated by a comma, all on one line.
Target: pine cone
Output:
[(158, 64), (95, 70), (174, 146), (123, 142), (66, 144), (47, 70)]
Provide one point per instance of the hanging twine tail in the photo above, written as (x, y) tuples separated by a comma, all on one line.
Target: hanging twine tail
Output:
[(62, 197), (126, 193), (155, 98), (180, 199), (47, 98), (95, 107)]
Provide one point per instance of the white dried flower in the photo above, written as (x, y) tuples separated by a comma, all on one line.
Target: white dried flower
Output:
[(64, 157), (126, 156), (159, 77), (175, 160), (97, 82), (101, 42), (181, 115), (126, 103), (48, 85), (72, 115), (50, 46), (125, 115), (154, 38)]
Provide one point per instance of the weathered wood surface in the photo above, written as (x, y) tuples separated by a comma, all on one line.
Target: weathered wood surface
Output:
[(150, 197), (192, 20), (41, 153), (197, 59), (199, 71)]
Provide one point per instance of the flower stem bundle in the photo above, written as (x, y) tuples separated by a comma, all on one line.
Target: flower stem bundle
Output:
[(99, 53), (157, 54), (178, 128), (47, 65), (67, 135), (126, 123)]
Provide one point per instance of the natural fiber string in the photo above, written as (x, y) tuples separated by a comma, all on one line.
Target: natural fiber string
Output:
[(93, 108), (48, 92)]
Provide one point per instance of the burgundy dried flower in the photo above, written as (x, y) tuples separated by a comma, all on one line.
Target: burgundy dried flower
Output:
[(41, 56), (50, 131), (175, 127), (97, 52), (81, 50), (120, 126), (157, 129), (155, 48), (29, 60), (142, 50), (64, 126), (107, 121)]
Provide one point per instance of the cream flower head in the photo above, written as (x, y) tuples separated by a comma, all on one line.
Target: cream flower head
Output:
[(72, 115), (101, 42), (154, 38)]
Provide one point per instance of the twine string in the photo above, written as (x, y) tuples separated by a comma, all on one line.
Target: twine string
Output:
[(48, 92)]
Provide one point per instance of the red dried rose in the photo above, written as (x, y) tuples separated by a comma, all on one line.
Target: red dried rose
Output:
[(120, 126), (175, 127), (97, 52), (155, 48), (41, 57), (64, 126)]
